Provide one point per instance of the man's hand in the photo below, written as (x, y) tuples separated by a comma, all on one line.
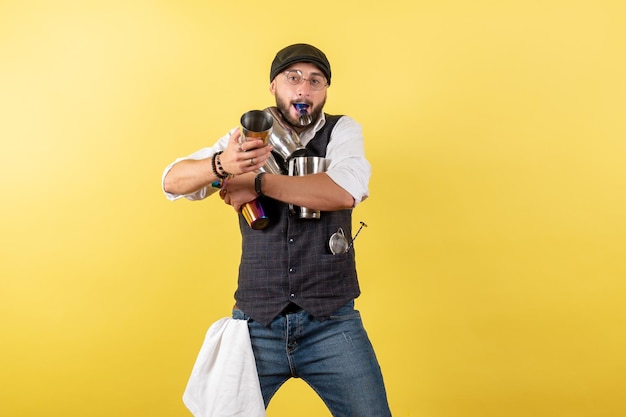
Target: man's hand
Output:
[(244, 155), (238, 190)]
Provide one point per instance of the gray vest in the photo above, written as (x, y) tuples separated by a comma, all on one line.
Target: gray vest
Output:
[(290, 262)]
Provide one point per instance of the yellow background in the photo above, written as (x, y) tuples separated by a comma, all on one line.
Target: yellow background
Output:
[(494, 262)]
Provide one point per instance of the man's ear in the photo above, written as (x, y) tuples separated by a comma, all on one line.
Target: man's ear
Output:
[(273, 87)]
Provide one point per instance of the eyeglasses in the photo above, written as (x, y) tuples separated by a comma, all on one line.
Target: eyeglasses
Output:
[(295, 77)]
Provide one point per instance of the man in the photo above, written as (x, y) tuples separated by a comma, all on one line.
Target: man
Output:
[(296, 294)]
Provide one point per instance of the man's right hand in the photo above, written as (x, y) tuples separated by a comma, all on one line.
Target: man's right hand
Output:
[(244, 155)]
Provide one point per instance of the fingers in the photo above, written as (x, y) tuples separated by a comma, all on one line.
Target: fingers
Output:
[(249, 145), (251, 159), (228, 199), (236, 136), (244, 155), (238, 190), (243, 144), (223, 190)]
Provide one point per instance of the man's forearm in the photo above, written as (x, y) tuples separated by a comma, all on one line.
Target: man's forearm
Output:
[(316, 191), (188, 176)]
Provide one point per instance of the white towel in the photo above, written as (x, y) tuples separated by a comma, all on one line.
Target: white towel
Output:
[(224, 380)]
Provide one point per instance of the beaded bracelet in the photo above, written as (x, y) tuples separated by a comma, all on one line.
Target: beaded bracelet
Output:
[(215, 160), (220, 168)]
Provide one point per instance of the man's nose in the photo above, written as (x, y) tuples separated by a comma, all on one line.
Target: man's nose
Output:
[(304, 87)]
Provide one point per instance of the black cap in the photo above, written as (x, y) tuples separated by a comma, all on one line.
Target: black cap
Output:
[(300, 52)]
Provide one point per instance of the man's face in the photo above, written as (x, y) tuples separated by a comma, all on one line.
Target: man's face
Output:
[(288, 95)]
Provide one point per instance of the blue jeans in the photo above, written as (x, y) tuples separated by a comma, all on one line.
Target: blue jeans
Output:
[(334, 356)]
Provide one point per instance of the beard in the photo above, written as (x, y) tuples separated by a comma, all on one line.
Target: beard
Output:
[(284, 107)]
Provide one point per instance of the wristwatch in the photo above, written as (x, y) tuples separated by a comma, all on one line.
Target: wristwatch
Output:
[(258, 183)]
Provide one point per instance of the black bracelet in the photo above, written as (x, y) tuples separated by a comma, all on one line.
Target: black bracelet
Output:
[(214, 167), (258, 184), (220, 168)]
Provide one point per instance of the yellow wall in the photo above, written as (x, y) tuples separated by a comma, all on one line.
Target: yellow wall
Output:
[(494, 262)]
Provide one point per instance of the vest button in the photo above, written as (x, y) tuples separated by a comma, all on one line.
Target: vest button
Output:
[(292, 296), (291, 270), (290, 240)]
